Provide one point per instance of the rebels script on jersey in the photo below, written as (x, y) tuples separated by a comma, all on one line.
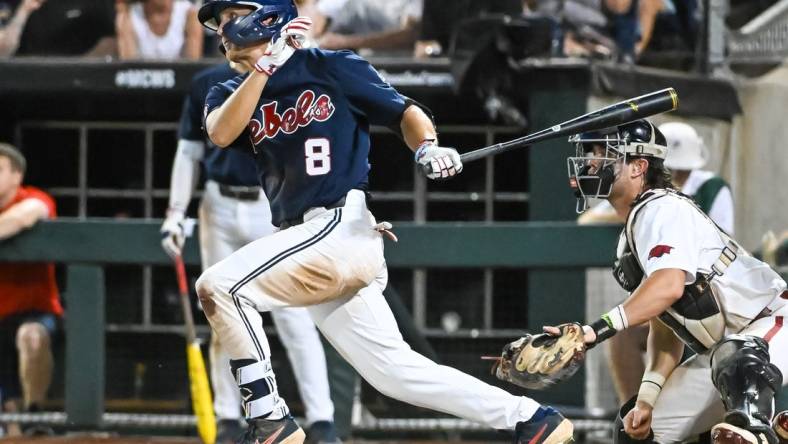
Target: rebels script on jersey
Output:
[(310, 129)]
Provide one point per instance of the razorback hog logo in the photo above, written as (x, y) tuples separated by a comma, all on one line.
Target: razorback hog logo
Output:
[(306, 109), (659, 250)]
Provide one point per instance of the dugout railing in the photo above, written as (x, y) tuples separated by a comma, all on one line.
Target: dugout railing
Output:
[(87, 246)]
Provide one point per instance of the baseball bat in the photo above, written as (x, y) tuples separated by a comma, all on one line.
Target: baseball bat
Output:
[(617, 114), (202, 404)]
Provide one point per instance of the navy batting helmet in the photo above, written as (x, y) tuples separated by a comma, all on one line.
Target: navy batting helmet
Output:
[(263, 23)]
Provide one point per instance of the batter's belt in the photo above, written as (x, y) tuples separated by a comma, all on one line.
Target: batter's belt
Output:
[(287, 223), (240, 192)]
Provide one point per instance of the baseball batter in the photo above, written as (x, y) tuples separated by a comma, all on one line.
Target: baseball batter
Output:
[(305, 114), (234, 212), (697, 287)]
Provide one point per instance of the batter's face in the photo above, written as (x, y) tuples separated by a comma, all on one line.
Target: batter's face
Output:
[(10, 178)]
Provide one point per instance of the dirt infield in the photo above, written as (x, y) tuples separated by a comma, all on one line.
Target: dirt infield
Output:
[(95, 440), (81, 439)]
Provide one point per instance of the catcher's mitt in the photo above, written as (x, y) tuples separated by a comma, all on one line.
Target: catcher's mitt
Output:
[(541, 361)]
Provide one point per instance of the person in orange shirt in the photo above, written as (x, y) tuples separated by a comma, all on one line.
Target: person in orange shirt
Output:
[(30, 309)]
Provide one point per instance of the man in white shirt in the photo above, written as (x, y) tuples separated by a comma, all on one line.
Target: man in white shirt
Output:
[(369, 24), (687, 154)]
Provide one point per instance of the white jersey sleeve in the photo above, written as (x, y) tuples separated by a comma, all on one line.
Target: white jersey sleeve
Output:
[(665, 236)]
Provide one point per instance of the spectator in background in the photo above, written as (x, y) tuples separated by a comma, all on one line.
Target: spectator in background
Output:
[(602, 27), (369, 24), (69, 28), (585, 25), (687, 154), (12, 24), (158, 29), (439, 18), (30, 309)]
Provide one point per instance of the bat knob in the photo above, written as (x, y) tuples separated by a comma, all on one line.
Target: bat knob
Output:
[(426, 169)]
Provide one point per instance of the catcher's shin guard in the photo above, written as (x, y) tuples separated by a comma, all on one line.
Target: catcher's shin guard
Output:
[(747, 382), (547, 426), (619, 435), (780, 426), (725, 433)]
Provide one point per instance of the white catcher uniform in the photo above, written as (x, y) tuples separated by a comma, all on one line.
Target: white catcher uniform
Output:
[(670, 232)]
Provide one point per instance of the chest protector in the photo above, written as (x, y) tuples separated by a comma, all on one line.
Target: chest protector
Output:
[(696, 317)]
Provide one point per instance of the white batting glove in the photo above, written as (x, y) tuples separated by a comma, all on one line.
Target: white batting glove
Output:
[(294, 35), (442, 162), (173, 234)]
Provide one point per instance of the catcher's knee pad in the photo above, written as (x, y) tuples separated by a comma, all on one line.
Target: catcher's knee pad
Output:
[(619, 435), (747, 381), (725, 433), (780, 425)]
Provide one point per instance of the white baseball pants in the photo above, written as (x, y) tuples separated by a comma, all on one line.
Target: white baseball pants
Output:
[(689, 404), (333, 263), (226, 225)]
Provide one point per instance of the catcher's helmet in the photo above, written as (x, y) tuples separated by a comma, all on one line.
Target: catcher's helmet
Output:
[(591, 174), (249, 29)]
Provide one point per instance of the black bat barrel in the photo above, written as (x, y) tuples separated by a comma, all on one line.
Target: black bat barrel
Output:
[(617, 114), (623, 112)]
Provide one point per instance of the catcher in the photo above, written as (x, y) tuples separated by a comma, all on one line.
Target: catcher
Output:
[(694, 285)]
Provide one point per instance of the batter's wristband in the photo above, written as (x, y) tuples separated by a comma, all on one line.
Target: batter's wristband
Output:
[(422, 146), (650, 387), (603, 329)]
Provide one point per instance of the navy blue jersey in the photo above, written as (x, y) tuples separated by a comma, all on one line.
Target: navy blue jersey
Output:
[(310, 130), (228, 166)]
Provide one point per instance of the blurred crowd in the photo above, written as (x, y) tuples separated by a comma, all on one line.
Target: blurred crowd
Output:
[(624, 30)]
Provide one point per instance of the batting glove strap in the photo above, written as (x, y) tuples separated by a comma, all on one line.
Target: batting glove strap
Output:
[(603, 331)]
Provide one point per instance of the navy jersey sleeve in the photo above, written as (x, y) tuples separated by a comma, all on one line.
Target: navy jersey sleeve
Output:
[(217, 95), (190, 127), (366, 91)]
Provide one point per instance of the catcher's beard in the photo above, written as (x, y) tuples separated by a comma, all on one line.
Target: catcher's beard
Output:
[(533, 359)]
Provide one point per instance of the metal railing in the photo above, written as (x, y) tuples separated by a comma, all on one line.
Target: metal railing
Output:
[(764, 39)]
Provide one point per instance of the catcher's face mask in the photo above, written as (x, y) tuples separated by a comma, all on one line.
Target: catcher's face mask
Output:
[(593, 169), (599, 157)]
